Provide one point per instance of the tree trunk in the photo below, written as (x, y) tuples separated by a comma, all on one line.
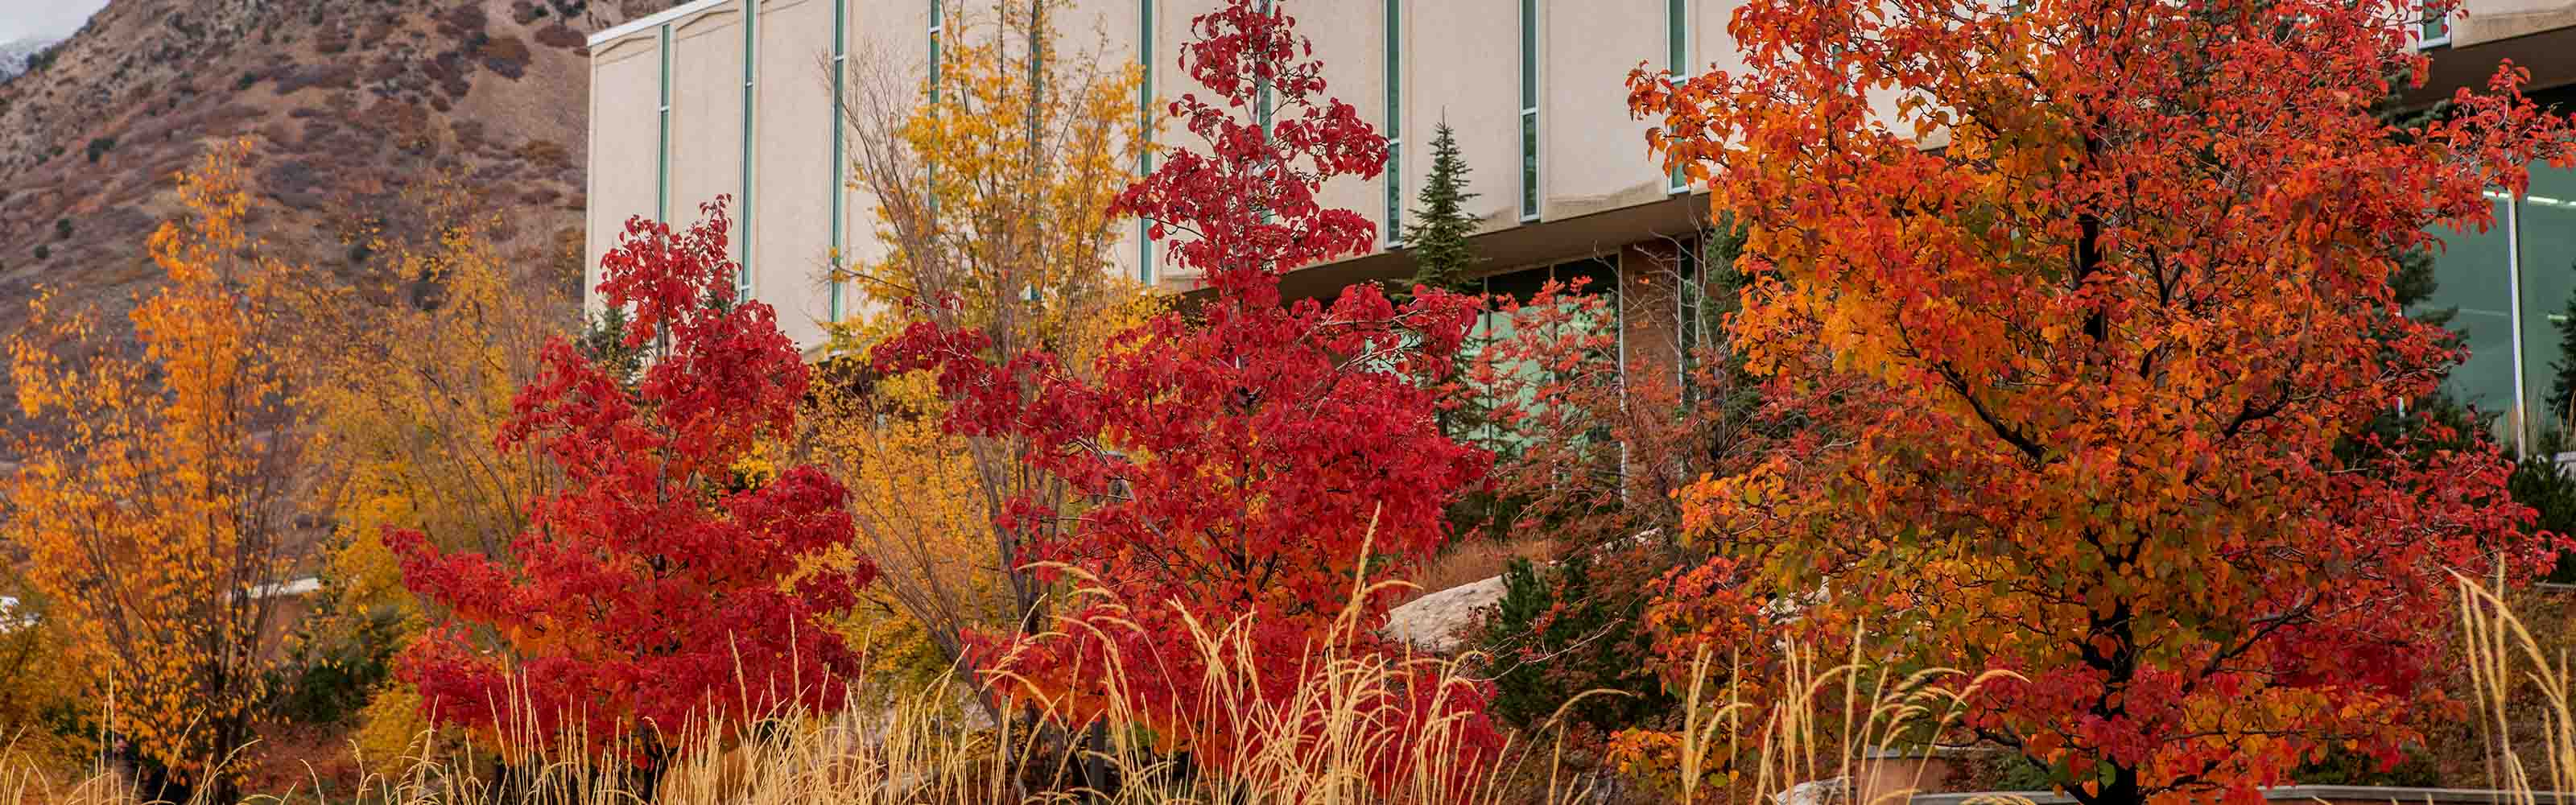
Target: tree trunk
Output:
[(1095, 762)]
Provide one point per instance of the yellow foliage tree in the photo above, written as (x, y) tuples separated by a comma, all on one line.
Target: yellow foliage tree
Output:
[(992, 182), (157, 497), (41, 705), (415, 367)]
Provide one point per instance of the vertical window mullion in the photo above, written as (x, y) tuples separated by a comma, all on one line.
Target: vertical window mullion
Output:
[(662, 144), (2513, 322), (1529, 110), (1677, 60), (1394, 122), (1262, 107), (840, 100), (1145, 129), (750, 80)]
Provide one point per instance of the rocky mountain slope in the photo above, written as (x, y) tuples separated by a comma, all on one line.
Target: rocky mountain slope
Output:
[(346, 104)]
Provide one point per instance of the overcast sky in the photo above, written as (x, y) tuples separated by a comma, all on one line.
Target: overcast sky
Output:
[(50, 19)]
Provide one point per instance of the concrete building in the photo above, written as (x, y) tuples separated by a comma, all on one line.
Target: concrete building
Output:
[(728, 97), (737, 97)]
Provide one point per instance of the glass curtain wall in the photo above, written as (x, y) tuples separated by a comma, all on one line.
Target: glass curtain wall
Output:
[(2509, 288)]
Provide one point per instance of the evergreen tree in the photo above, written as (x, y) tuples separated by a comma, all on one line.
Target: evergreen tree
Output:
[(1437, 236), (603, 340), (2537, 480), (2562, 380), (1437, 239)]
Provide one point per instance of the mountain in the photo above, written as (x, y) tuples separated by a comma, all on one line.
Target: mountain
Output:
[(14, 55), (345, 104)]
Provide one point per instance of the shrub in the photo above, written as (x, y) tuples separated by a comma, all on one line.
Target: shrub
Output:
[(2538, 482), (1562, 630), (333, 676), (505, 55), (559, 35)]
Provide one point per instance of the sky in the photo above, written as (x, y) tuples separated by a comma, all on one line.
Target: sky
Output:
[(50, 19)]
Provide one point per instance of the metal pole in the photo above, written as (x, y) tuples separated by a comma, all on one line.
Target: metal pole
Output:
[(2513, 289)]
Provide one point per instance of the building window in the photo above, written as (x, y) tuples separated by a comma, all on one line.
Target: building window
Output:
[(2544, 230), (1145, 129), (750, 79), (2434, 30), (2506, 288), (936, 18), (1261, 107), (1529, 110), (1394, 122), (840, 102), (662, 144), (1677, 60)]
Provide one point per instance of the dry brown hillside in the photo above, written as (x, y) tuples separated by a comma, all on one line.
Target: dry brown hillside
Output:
[(347, 102)]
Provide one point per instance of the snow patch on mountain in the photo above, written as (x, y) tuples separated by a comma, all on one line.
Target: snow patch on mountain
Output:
[(14, 56)]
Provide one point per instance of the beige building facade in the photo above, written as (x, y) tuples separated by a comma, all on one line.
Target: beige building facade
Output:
[(738, 98), (733, 98)]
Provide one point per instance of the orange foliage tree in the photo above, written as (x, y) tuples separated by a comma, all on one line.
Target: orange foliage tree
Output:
[(158, 496), (2079, 373)]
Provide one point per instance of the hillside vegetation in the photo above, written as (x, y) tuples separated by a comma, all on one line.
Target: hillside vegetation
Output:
[(346, 104)]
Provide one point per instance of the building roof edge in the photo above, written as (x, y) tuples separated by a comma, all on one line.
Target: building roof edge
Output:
[(666, 15)]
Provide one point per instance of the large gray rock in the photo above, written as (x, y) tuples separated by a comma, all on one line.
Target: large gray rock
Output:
[(1836, 791), (1436, 623)]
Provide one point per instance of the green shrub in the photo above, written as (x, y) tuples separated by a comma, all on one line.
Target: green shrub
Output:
[(336, 671), (2413, 769), (2538, 483), (1572, 627)]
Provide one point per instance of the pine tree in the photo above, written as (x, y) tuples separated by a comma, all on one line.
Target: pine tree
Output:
[(1437, 237), (2562, 381), (603, 340)]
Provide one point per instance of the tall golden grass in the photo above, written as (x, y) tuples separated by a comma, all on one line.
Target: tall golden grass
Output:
[(1833, 718), (1324, 743), (2522, 685), (923, 748)]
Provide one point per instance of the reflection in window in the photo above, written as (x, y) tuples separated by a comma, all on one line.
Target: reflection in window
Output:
[(1596, 276), (2545, 232)]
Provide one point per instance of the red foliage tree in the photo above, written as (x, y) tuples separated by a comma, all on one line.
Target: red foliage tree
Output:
[(2079, 376), (667, 588), (1262, 461)]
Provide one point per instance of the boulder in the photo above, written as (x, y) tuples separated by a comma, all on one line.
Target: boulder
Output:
[(1436, 622)]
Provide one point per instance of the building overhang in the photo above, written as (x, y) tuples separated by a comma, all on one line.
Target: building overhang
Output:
[(2550, 56), (1512, 248)]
